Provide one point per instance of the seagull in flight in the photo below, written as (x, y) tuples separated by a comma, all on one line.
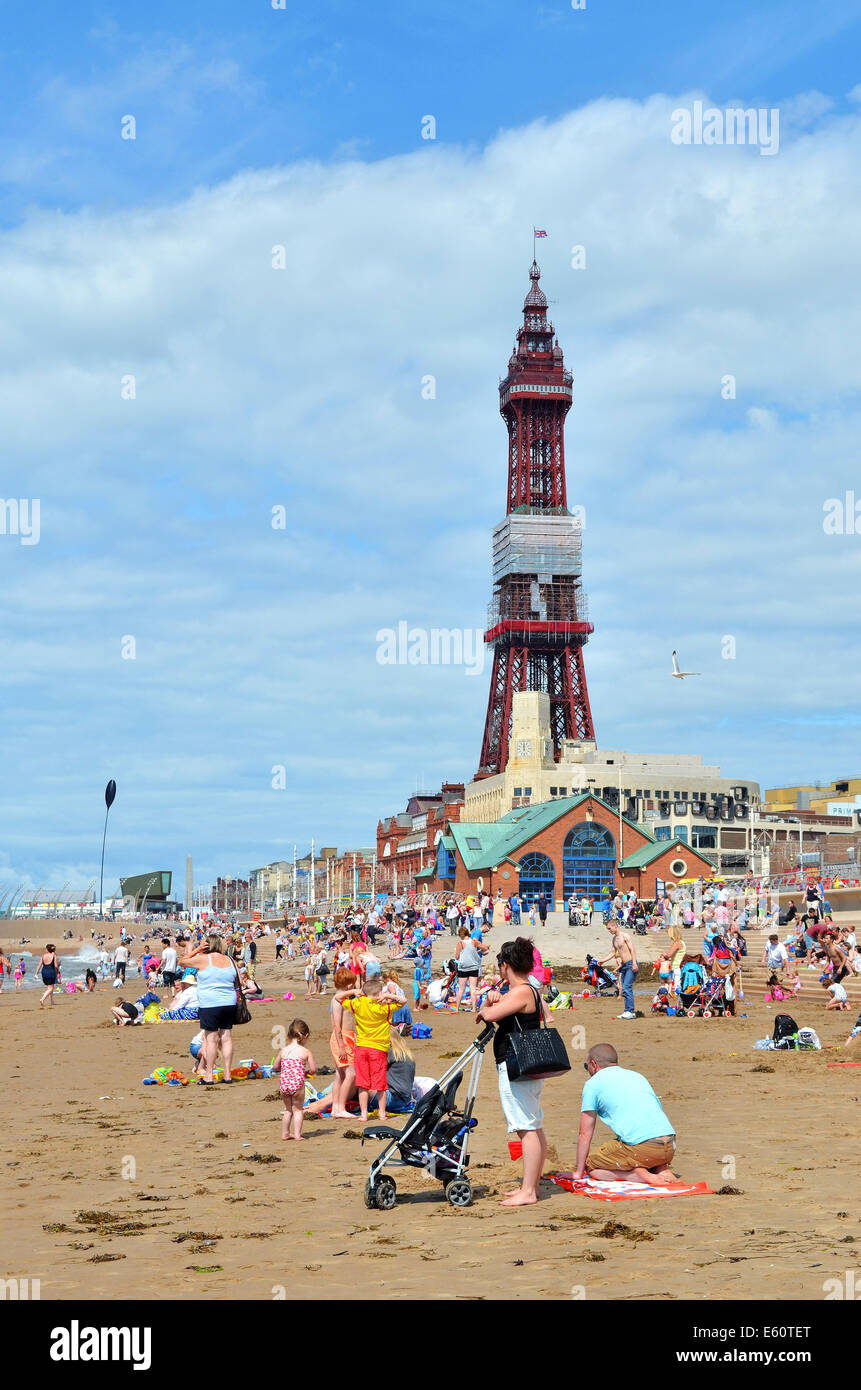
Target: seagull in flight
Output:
[(680, 675)]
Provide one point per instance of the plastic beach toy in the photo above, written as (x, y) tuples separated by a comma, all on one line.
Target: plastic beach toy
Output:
[(288, 995)]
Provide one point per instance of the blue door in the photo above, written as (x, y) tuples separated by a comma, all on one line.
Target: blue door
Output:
[(537, 875), (588, 861)]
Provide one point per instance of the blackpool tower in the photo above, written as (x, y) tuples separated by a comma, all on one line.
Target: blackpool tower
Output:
[(537, 624)]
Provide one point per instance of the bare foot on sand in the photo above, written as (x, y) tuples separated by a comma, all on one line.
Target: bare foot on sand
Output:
[(519, 1199)]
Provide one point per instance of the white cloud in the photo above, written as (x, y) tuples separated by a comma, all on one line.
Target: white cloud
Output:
[(302, 387)]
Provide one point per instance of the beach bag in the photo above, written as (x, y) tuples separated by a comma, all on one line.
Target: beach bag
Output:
[(785, 1030), (243, 1013), (537, 1054)]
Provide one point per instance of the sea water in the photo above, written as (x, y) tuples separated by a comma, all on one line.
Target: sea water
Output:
[(74, 966)]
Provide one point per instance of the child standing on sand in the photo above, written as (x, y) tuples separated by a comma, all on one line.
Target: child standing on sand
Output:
[(373, 1011), (294, 1060)]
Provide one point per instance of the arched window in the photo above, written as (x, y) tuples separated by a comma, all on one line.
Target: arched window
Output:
[(387, 849), (537, 875), (588, 860)]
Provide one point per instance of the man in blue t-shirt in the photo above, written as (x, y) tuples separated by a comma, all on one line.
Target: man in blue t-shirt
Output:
[(644, 1143)]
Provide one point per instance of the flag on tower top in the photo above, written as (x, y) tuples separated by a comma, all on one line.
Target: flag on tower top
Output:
[(537, 233)]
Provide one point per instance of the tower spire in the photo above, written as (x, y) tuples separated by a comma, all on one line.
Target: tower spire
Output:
[(537, 624)]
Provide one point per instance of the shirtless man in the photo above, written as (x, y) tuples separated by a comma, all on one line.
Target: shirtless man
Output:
[(625, 955), (837, 953)]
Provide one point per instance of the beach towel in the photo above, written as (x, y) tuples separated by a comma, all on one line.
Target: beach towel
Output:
[(627, 1191)]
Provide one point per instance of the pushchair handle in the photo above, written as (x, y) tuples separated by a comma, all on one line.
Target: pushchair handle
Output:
[(485, 1035)]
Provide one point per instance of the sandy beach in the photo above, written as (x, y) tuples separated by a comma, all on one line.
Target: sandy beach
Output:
[(117, 1190)]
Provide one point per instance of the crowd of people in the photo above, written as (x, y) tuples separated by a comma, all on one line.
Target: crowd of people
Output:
[(202, 970)]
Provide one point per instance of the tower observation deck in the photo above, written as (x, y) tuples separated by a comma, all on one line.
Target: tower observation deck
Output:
[(538, 616)]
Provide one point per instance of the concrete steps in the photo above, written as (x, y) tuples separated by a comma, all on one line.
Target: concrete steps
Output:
[(755, 975)]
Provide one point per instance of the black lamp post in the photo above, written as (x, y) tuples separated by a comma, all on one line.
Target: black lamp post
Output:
[(110, 793)]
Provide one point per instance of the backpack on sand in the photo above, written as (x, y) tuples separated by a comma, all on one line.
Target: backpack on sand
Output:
[(785, 1030)]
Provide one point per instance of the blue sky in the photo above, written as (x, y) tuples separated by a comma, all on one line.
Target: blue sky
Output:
[(255, 388)]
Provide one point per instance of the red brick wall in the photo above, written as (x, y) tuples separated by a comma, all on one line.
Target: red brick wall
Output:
[(643, 880), (551, 840)]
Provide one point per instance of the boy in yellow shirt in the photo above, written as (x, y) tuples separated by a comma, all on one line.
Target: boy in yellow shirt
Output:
[(373, 1010)]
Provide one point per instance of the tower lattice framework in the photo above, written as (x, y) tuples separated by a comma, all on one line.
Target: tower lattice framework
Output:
[(538, 616)]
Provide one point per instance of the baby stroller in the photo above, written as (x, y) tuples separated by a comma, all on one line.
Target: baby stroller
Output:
[(640, 920), (709, 999), (435, 1136), (602, 980)]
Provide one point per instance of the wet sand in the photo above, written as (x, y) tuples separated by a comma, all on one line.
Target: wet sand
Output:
[(785, 1137)]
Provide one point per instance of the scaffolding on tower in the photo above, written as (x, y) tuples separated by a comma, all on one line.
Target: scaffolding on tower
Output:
[(538, 618)]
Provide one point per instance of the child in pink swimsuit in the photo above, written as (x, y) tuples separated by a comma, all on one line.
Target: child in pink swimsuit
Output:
[(294, 1060)]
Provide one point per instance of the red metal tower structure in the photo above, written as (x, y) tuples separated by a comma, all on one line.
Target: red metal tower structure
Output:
[(537, 620)]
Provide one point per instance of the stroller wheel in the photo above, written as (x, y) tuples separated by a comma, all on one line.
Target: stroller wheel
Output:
[(385, 1193), (692, 1013), (459, 1192), (707, 1013)]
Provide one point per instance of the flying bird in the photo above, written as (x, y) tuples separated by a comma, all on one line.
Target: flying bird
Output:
[(680, 675)]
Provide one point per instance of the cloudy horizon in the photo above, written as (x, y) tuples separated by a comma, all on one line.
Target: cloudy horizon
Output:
[(168, 394)]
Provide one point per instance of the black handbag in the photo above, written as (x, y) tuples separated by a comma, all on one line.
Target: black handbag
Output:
[(538, 1053), (243, 1013)]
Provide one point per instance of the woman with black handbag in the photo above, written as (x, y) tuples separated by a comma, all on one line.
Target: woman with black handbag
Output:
[(519, 1009)]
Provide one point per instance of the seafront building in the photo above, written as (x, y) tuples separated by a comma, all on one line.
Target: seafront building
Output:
[(547, 809)]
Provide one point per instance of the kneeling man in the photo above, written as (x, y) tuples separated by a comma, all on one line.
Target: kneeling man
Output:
[(644, 1145)]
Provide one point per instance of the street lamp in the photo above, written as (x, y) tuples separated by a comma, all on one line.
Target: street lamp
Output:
[(110, 793)]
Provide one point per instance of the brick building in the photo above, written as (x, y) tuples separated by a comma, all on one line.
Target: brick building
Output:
[(230, 895), (407, 844), (570, 845)]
